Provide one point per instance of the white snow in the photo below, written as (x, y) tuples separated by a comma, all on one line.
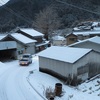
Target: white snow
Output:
[(40, 44), (66, 54), (95, 39), (17, 83), (2, 2), (92, 86), (58, 38), (31, 32), (2, 36), (87, 32), (22, 38)]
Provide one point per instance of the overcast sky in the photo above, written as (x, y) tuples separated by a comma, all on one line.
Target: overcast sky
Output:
[(3, 2)]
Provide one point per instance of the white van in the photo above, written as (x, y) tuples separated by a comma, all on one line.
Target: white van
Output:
[(26, 59)]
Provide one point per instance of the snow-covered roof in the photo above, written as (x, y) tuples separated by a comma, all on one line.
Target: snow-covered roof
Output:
[(31, 32), (97, 28), (65, 54), (87, 32), (2, 36), (82, 28), (22, 38), (71, 34), (2, 2), (95, 39), (41, 44), (58, 38), (76, 29), (95, 23)]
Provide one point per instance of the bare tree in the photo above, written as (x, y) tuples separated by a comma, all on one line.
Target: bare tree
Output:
[(47, 21)]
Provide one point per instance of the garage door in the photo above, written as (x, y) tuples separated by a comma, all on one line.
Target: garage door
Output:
[(7, 55), (7, 50)]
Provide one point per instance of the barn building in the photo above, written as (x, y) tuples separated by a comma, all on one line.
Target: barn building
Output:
[(63, 62)]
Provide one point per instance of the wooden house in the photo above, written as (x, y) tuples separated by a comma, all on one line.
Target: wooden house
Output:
[(71, 38), (41, 43), (15, 44)]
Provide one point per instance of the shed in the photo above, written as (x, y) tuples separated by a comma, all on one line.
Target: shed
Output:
[(91, 43), (71, 38), (63, 62)]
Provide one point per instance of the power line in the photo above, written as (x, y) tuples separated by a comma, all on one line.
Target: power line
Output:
[(19, 15), (78, 7), (16, 14)]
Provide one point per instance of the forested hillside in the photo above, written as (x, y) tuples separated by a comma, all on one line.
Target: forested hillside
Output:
[(23, 12)]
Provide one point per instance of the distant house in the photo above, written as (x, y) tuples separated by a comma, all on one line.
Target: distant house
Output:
[(83, 34), (41, 43), (63, 62), (91, 43), (58, 40), (71, 38), (15, 44)]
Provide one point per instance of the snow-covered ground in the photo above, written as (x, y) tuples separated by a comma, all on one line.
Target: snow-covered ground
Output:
[(27, 83)]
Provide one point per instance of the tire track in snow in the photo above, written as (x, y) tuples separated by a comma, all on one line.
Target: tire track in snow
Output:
[(12, 90), (26, 88), (14, 84), (3, 78)]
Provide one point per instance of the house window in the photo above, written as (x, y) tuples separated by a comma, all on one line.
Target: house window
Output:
[(72, 39), (20, 52)]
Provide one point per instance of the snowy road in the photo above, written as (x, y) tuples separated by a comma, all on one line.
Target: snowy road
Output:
[(17, 84), (14, 84)]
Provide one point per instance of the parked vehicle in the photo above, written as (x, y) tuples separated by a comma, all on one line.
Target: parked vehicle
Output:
[(26, 59), (24, 62)]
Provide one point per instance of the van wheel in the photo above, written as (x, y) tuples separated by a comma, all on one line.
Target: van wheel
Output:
[(30, 62)]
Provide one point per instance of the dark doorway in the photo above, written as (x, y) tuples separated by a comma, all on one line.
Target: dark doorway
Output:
[(7, 55)]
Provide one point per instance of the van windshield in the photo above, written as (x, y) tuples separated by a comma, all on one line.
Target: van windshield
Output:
[(23, 60), (25, 56)]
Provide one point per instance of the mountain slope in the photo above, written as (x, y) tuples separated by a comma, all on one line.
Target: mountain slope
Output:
[(22, 12)]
